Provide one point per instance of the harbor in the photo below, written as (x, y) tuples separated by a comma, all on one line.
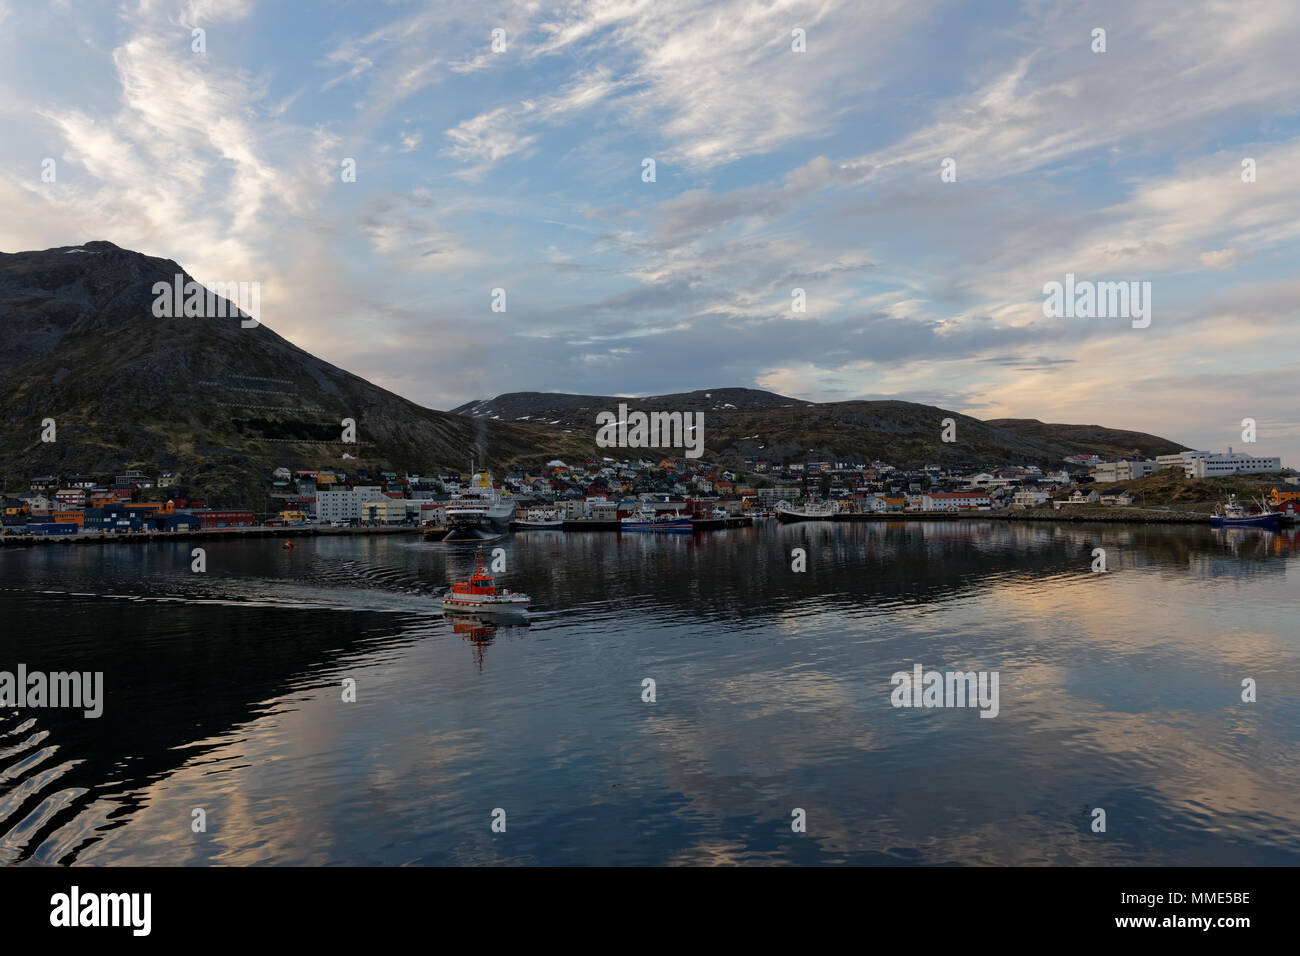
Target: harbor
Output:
[(461, 711)]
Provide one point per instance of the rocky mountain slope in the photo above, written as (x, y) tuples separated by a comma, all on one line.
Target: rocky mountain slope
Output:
[(743, 422), (221, 404)]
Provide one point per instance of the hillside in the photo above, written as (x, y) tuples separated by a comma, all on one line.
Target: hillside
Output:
[(221, 404), (1091, 439), (743, 422), (1168, 488)]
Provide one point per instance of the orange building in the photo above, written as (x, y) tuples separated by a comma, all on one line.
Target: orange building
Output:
[(1277, 496)]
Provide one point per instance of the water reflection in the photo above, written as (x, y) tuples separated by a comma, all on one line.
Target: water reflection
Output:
[(223, 691)]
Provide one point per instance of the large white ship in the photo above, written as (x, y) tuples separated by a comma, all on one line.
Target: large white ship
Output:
[(478, 512)]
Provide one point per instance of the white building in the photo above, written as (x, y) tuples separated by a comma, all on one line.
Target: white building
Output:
[(955, 501), (1078, 498), (1179, 459), (344, 504), (1125, 470), (1233, 463), (1030, 498)]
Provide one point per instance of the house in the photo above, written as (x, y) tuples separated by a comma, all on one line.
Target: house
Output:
[(1029, 498), (37, 504), (43, 483), (169, 479), (1122, 500), (1278, 496), (70, 497), (1078, 498), (133, 479)]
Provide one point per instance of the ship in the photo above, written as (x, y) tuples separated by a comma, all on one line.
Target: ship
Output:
[(1234, 515), (541, 519), (478, 513), (650, 521), (479, 593), (808, 511)]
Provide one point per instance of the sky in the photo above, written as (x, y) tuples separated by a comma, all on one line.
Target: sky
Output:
[(523, 168)]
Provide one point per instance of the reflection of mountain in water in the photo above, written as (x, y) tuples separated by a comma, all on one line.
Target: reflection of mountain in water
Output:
[(187, 664), (175, 680)]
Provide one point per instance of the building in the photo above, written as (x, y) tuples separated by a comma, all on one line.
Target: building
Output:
[(1078, 498), (955, 500), (225, 519), (70, 498), (1279, 496), (384, 510), (1179, 459), (344, 504), (181, 522), (1126, 469), (1029, 498), (1233, 463)]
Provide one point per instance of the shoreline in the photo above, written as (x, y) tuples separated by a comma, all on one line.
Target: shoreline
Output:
[(144, 537), (1128, 517)]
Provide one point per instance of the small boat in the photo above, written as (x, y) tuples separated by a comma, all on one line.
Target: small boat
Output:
[(1233, 515), (808, 511), (650, 521), (287, 546), (541, 519), (480, 593)]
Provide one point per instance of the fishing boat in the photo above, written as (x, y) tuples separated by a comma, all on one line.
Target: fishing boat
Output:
[(650, 521), (808, 511), (480, 593), (541, 519), (1233, 514)]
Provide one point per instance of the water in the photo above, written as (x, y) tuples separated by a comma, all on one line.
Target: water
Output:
[(1119, 691)]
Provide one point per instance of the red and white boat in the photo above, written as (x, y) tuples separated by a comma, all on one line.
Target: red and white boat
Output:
[(480, 593)]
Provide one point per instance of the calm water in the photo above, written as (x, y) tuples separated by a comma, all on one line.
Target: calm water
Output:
[(223, 691)]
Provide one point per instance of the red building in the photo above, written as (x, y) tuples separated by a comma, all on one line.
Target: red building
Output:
[(225, 519)]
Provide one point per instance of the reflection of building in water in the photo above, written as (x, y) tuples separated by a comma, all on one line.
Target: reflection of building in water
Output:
[(1243, 552)]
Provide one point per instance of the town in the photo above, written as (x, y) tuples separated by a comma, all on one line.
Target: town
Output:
[(603, 490)]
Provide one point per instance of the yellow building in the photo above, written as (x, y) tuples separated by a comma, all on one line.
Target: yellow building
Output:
[(293, 517)]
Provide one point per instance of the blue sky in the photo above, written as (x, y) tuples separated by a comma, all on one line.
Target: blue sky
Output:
[(522, 170)]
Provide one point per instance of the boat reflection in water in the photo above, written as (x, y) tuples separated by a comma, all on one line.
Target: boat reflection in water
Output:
[(481, 630)]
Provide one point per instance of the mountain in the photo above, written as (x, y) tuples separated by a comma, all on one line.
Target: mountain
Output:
[(220, 404), (746, 422), (544, 407), (1091, 439)]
